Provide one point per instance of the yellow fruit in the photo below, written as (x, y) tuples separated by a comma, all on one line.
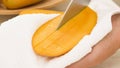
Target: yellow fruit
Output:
[(14, 4), (50, 42), (33, 11)]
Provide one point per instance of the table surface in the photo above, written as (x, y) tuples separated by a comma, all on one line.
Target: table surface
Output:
[(112, 62)]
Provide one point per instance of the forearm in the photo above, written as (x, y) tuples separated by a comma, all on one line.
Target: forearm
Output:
[(104, 49), (116, 29)]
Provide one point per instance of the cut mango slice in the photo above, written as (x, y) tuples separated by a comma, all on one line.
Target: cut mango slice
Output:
[(33, 11), (52, 42)]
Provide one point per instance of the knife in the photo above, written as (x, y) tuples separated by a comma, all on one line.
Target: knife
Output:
[(73, 8), (117, 2)]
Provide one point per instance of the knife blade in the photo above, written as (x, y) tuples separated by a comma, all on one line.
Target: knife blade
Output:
[(117, 2), (72, 9)]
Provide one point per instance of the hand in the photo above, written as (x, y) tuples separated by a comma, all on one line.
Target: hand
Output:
[(104, 49)]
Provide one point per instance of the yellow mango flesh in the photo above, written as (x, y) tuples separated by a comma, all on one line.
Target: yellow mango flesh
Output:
[(50, 42), (14, 4), (33, 11)]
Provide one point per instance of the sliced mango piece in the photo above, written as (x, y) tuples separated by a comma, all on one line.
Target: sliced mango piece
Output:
[(33, 11), (52, 42)]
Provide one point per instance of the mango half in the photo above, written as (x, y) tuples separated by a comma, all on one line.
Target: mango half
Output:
[(15, 4), (49, 41)]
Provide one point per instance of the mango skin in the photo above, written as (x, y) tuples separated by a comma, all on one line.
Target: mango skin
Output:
[(15, 4), (49, 42)]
